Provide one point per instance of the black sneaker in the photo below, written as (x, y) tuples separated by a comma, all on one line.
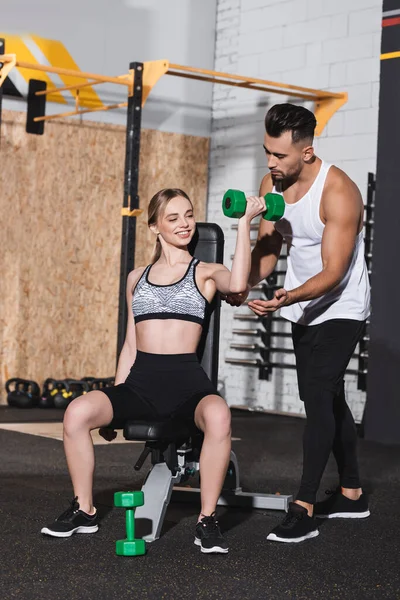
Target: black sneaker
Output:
[(297, 526), (73, 520), (209, 537), (338, 506)]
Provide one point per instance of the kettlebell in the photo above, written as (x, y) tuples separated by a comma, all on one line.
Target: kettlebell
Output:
[(61, 394), (46, 399), (22, 393)]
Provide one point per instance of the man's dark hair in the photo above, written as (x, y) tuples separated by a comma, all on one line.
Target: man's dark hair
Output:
[(289, 117)]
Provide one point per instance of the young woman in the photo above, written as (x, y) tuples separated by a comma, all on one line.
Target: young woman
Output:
[(158, 374)]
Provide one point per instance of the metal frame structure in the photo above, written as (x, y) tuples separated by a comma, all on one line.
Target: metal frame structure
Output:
[(139, 82)]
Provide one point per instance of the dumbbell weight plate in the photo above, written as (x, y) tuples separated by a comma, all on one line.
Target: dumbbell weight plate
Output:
[(234, 204), (275, 207)]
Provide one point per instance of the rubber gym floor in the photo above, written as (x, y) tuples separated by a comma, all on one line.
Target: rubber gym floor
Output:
[(350, 558)]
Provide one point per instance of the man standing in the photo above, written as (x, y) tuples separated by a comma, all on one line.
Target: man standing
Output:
[(326, 297)]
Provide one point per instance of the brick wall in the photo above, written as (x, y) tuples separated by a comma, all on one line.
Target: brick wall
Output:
[(331, 45)]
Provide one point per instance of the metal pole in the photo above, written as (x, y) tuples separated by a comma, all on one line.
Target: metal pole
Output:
[(131, 197)]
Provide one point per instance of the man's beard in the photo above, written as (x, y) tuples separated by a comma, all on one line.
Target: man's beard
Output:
[(284, 178)]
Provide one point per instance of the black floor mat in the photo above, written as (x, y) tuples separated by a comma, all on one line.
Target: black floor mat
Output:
[(348, 560), (9, 414)]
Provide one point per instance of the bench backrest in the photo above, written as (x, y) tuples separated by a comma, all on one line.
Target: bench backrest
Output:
[(208, 245)]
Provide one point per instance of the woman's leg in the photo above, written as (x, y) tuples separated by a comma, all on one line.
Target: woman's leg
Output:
[(85, 413), (213, 417)]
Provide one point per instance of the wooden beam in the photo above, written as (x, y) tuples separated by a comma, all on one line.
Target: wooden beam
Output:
[(72, 73), (72, 113), (8, 62), (252, 80)]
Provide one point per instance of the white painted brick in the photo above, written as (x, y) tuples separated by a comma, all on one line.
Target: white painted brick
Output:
[(228, 20), (348, 147), (339, 25), (365, 21), (336, 125), (248, 65), (361, 121), (260, 41), (363, 71), (314, 77), (314, 54), (337, 74), (377, 42), (287, 59), (375, 94), (252, 4), (222, 44), (343, 6), (360, 96), (314, 9), (274, 15), (307, 32), (348, 49)]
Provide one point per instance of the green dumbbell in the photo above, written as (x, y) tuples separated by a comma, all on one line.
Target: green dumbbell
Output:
[(234, 205), (130, 546)]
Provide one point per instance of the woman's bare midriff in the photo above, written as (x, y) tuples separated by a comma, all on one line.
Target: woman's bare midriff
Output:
[(167, 336)]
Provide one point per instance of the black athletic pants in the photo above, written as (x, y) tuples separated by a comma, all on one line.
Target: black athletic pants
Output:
[(322, 354)]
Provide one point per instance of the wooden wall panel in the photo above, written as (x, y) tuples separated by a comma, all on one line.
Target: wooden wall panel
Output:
[(60, 198)]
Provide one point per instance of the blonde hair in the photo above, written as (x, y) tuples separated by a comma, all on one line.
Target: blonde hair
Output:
[(157, 206)]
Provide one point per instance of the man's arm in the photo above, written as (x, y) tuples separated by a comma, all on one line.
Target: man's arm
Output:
[(268, 246), (342, 210)]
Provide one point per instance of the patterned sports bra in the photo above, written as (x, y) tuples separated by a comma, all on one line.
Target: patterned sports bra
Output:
[(181, 300)]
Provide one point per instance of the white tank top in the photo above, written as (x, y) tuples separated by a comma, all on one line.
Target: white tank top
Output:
[(301, 228)]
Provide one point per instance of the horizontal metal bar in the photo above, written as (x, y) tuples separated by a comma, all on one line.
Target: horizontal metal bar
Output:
[(250, 332), (249, 362), (241, 317), (253, 227), (272, 349), (237, 498), (254, 347), (235, 346), (260, 332), (255, 362)]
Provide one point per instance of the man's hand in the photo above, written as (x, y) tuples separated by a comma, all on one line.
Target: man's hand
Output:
[(108, 434), (235, 299), (262, 307)]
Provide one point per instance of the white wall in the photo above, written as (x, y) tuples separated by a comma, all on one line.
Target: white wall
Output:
[(328, 45), (104, 36)]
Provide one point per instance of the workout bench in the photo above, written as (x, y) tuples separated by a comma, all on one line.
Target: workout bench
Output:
[(174, 448)]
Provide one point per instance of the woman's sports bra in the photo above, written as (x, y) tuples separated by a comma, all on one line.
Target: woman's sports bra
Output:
[(180, 300)]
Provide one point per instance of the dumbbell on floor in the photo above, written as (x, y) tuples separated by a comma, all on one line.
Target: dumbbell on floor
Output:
[(130, 546), (234, 205)]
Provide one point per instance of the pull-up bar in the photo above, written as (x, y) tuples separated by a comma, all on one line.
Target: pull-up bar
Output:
[(326, 103)]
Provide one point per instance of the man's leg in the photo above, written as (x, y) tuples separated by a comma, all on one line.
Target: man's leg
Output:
[(322, 355), (348, 501), (333, 346), (345, 447)]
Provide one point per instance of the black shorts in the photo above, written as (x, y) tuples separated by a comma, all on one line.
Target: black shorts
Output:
[(159, 387)]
